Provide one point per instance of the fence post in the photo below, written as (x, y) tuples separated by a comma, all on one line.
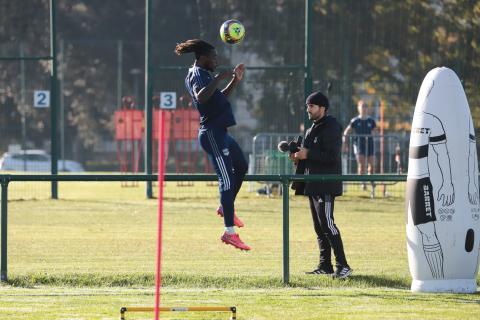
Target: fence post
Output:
[(286, 231), (4, 211), (54, 96), (148, 95)]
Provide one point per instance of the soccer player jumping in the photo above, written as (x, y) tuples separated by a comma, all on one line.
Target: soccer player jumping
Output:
[(216, 116)]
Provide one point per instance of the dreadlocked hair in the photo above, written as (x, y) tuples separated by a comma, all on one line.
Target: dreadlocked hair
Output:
[(199, 47)]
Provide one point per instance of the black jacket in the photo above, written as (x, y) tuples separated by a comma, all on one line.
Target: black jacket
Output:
[(324, 143)]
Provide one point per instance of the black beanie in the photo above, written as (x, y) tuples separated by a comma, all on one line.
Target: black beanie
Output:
[(318, 99)]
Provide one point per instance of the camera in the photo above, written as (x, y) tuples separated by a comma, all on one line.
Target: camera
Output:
[(292, 146)]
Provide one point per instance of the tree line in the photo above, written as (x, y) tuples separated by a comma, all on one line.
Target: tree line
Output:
[(376, 48)]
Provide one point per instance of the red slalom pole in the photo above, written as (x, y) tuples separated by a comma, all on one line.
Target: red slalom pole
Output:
[(161, 173)]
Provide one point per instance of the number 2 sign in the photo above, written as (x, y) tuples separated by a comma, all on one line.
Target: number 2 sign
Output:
[(41, 99)]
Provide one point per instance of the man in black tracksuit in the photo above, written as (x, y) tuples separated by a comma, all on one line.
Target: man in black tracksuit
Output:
[(321, 154)]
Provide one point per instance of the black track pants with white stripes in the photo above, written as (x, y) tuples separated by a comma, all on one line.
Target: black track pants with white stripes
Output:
[(328, 235)]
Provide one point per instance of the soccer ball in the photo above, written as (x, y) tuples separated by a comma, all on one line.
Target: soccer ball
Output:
[(232, 31)]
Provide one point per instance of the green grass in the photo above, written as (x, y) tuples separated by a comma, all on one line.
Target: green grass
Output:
[(259, 304), (93, 251)]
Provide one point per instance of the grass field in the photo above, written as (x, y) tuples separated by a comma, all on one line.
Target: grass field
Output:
[(93, 251)]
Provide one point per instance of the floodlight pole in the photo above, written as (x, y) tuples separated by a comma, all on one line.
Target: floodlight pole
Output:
[(53, 97), (148, 95), (308, 60)]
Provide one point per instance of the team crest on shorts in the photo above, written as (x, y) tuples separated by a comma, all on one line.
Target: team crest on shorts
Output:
[(226, 152)]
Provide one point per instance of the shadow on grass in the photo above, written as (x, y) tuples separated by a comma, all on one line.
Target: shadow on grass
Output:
[(354, 281), (202, 281)]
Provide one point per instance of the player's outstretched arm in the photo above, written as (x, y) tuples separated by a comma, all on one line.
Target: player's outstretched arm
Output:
[(238, 72)]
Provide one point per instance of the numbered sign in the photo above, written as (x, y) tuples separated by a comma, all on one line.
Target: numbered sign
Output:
[(41, 99), (168, 100)]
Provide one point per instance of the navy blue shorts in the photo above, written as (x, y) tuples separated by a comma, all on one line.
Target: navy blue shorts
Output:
[(363, 148)]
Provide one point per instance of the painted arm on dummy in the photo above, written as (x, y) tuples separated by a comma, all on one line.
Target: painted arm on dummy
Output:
[(446, 193)]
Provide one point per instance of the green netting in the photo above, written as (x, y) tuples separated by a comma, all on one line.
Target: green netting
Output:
[(375, 50)]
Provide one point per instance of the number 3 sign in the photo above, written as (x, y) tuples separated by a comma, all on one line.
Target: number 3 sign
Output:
[(41, 99), (168, 100)]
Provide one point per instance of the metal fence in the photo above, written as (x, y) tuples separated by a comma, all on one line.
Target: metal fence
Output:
[(284, 180), (389, 153)]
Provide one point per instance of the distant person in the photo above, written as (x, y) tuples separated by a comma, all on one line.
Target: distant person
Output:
[(128, 102), (398, 158), (156, 101), (216, 116), (321, 154), (185, 102), (363, 126)]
